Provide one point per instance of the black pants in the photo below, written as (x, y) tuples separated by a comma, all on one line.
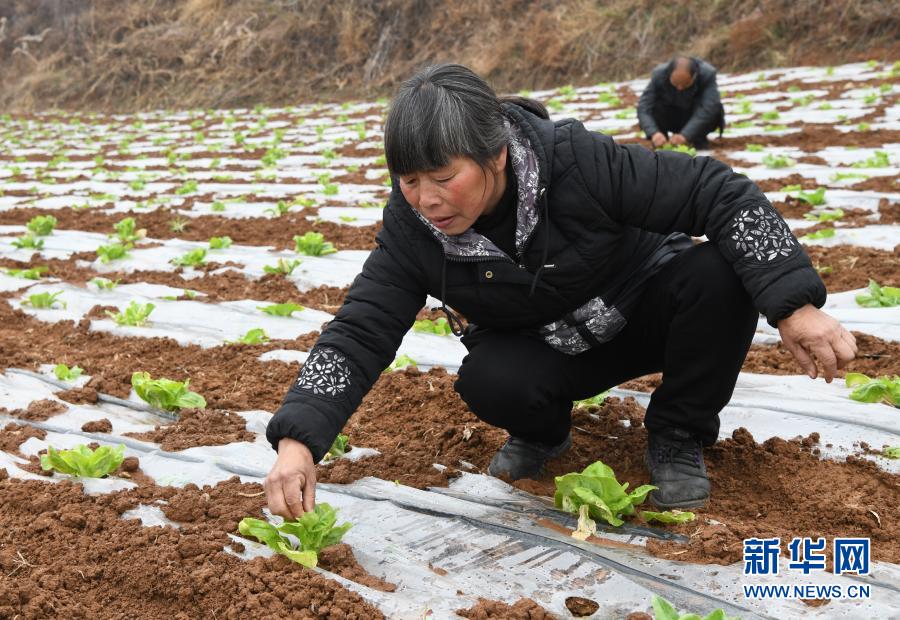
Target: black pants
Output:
[(671, 120), (694, 322)]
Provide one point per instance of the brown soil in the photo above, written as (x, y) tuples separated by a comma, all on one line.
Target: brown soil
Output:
[(813, 138), (889, 212), (97, 426), (853, 266), (61, 551), (198, 427), (225, 286), (876, 357), (523, 609), (878, 184), (78, 396), (339, 559), (775, 185), (581, 606), (853, 218), (40, 410), (14, 435), (260, 231)]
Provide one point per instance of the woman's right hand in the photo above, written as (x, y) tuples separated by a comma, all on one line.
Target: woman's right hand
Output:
[(291, 484), (659, 139)]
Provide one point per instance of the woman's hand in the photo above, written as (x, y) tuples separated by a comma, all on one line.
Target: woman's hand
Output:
[(811, 335), (292, 472), (678, 140), (658, 139)]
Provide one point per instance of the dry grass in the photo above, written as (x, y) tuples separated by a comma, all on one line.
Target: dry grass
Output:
[(127, 55)]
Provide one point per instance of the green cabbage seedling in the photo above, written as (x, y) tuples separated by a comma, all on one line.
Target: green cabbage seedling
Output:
[(825, 233), (755, 148), (83, 462), (892, 453), (313, 244), (681, 148), (219, 243), (338, 447), (663, 610), (135, 315), (113, 251), (883, 389), (816, 198), (668, 517), (127, 232), (400, 363), (439, 326), (43, 300), (29, 274), (41, 225), (29, 242), (597, 488), (165, 393), (879, 296), (824, 216), (777, 161), (313, 530), (283, 267), (105, 284), (190, 259), (257, 335), (879, 160), (64, 373), (281, 309), (593, 400)]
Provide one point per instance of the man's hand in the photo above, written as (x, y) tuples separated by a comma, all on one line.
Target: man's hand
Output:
[(659, 138), (812, 336), (677, 139), (293, 471)]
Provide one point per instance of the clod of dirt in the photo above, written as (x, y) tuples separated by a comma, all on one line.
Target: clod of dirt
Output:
[(130, 464), (14, 435), (580, 607), (523, 609), (198, 427), (638, 615), (339, 559), (78, 396), (103, 425), (40, 410)]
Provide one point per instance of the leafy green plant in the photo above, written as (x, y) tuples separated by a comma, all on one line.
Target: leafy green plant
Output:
[(879, 296), (41, 225), (280, 208), (105, 284), (755, 148), (347, 218), (83, 462), (596, 494), (166, 394), (879, 160), (400, 363), (338, 447), (135, 315), (891, 453), (194, 258), (777, 161), (816, 198), (681, 148), (825, 233), (593, 400), (663, 610), (34, 273), (219, 243), (771, 115), (178, 224), (843, 176), (281, 309), (126, 230), (824, 216), (218, 206), (314, 530), (282, 267), (43, 300), (883, 389), (188, 187), (313, 244), (113, 251), (439, 326), (668, 517), (257, 335), (64, 373), (28, 241)]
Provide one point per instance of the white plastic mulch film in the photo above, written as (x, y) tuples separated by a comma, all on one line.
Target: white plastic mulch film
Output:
[(484, 534)]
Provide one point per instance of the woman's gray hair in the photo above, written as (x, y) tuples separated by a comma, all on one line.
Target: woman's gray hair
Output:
[(443, 111)]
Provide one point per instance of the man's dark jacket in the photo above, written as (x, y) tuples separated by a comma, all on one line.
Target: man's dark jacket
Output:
[(607, 213), (699, 104)]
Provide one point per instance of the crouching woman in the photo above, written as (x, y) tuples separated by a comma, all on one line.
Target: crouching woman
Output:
[(571, 257)]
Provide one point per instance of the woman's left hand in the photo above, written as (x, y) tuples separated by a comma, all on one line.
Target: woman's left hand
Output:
[(811, 335)]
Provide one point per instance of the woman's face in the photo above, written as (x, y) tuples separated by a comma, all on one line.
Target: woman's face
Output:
[(454, 196)]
